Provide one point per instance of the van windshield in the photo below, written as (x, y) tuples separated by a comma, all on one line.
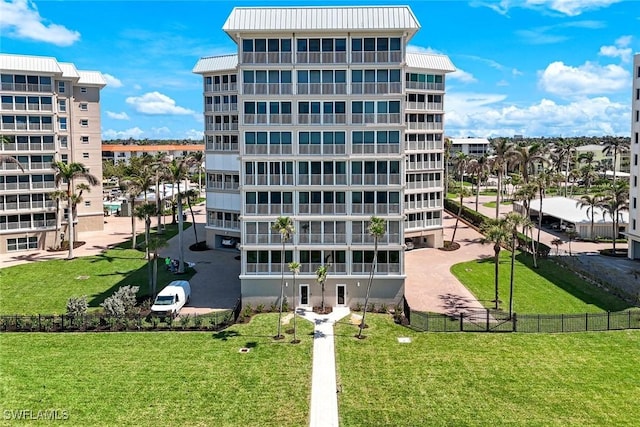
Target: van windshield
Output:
[(164, 300)]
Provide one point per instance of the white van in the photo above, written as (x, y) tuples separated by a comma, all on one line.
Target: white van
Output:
[(172, 298)]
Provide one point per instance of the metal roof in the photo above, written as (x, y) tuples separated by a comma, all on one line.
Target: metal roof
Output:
[(430, 61), (91, 78), (320, 19), (216, 63), (466, 141), (567, 209), (69, 70), (36, 64)]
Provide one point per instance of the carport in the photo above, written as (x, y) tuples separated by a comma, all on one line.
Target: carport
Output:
[(564, 213)]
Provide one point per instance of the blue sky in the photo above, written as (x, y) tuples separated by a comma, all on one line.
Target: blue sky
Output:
[(531, 67)]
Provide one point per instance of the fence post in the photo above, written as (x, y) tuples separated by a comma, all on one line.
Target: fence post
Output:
[(39, 323), (608, 320), (538, 323), (562, 323), (487, 320), (586, 322), (629, 317), (461, 322), (62, 323), (514, 320)]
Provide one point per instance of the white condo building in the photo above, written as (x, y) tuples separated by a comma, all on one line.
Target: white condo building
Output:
[(633, 231), (323, 116), (50, 111)]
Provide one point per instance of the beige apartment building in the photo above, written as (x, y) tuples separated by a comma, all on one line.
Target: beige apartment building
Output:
[(50, 111), (323, 116), (633, 230)]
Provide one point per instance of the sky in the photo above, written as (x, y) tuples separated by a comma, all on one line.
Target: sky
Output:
[(524, 67)]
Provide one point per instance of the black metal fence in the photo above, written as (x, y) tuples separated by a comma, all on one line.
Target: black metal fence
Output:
[(490, 321), (101, 323)]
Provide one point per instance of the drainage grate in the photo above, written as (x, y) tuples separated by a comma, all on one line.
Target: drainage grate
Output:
[(404, 340), (82, 277), (244, 350)]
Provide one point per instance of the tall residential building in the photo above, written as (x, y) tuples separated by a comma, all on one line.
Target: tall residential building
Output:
[(50, 111), (633, 231), (323, 116)]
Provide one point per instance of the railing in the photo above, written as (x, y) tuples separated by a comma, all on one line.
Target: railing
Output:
[(221, 107), (221, 87), (375, 57), (26, 87), (222, 146), (425, 86), (423, 145), (321, 88), (267, 88), (482, 320), (27, 126), (266, 57), (424, 125), (376, 88), (321, 57), (423, 223), (428, 106)]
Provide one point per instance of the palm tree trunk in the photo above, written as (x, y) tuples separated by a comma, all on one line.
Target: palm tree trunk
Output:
[(535, 264), (499, 191), (294, 308), (374, 264), (496, 272), (154, 276), (159, 206), (58, 243), (133, 224), (71, 228), (180, 237), (147, 236), (281, 292), (615, 231), (513, 262), (193, 220), (477, 190), (566, 174)]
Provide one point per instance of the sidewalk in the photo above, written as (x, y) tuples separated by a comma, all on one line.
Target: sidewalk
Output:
[(324, 392)]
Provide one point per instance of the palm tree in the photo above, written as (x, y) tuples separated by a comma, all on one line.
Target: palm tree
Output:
[(464, 192), (543, 181), (557, 242), (284, 226), (615, 201), (198, 160), (178, 171), (615, 146), (498, 161), (68, 172), (447, 156), (58, 196), (159, 167), (5, 158), (294, 268), (496, 232), (321, 277), (591, 202), (513, 221), (189, 196), (377, 229), (480, 168), (526, 158), (145, 212), (461, 162)]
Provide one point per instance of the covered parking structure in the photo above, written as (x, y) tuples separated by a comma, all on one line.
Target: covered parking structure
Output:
[(564, 213)]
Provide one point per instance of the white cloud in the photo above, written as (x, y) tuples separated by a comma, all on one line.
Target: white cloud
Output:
[(21, 20), (462, 76), (156, 103), (117, 116), (161, 130), (587, 79), (419, 49), (590, 116), (135, 133), (619, 50), (570, 7), (194, 134), (112, 81)]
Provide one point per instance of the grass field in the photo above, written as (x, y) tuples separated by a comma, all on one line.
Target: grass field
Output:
[(464, 379), (44, 287), (548, 289), (162, 379), (492, 204)]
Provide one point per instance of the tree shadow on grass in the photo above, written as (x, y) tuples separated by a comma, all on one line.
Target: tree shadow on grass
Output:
[(225, 335)]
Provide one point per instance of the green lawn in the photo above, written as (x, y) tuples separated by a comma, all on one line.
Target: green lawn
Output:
[(44, 287), (465, 379), (549, 289), (162, 378), (493, 204)]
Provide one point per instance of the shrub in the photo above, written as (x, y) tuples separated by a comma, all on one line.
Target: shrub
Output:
[(357, 307), (198, 321), (247, 311), (184, 321), (77, 307), (122, 302), (259, 308), (383, 308)]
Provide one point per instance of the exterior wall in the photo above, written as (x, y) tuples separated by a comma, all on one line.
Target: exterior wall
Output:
[(27, 214), (633, 230)]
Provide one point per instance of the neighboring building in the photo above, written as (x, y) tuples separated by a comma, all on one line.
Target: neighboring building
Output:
[(605, 161), (633, 231), (476, 147), (118, 152), (50, 111), (325, 118)]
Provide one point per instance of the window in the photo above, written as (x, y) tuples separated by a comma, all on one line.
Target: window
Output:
[(85, 155), (84, 123), (87, 203), (61, 87), (64, 158), (84, 106), (63, 142), (62, 105), (83, 90), (633, 224), (62, 123), (84, 139), (22, 243)]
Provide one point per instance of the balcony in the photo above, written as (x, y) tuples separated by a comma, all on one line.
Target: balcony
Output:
[(321, 57), (221, 87), (422, 224), (26, 87), (424, 125), (322, 88), (425, 86), (27, 126), (423, 146), (233, 107), (267, 88), (221, 126), (376, 57), (424, 106), (376, 88), (375, 148), (370, 118), (267, 57), (262, 119)]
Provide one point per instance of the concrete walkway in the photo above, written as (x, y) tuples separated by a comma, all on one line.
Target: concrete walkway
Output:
[(324, 392)]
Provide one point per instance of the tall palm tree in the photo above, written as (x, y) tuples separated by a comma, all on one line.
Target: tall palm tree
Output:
[(461, 162), (377, 229), (463, 192), (615, 147), (591, 202), (447, 156), (284, 226), (500, 148), (190, 195), (68, 173), (513, 221), (526, 158), (543, 181), (565, 152), (615, 201), (58, 196), (480, 168), (178, 171), (161, 172), (321, 277), (294, 268), (496, 232), (145, 212)]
